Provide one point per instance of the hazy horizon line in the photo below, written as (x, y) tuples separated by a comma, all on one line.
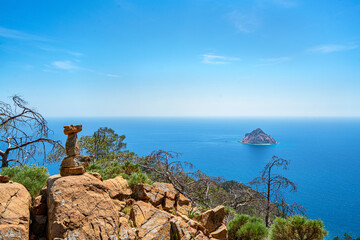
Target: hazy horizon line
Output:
[(255, 116)]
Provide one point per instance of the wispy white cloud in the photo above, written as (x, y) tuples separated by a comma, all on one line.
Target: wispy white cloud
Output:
[(329, 48), (112, 75), (70, 67), (76, 54), (64, 65), (216, 59), (243, 23), (52, 49), (15, 34), (275, 60)]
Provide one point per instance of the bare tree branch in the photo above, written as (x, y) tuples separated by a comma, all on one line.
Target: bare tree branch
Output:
[(271, 185), (23, 130)]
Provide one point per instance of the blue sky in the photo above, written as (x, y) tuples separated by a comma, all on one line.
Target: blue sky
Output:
[(182, 58)]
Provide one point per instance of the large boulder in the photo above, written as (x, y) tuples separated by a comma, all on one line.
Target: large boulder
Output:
[(79, 207), (14, 211), (118, 188), (183, 204), (182, 228), (212, 219), (169, 199), (220, 233), (149, 193), (150, 222), (125, 231)]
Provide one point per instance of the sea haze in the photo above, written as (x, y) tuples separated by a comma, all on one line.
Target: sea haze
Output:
[(324, 155)]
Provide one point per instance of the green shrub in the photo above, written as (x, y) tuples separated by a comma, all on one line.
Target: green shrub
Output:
[(244, 227), (254, 229), (33, 178), (129, 168), (125, 176), (110, 170), (297, 228), (138, 177), (235, 224)]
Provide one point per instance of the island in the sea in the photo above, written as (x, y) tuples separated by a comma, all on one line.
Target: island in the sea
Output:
[(258, 137)]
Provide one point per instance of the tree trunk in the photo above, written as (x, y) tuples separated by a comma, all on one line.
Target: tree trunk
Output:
[(4, 160), (268, 199)]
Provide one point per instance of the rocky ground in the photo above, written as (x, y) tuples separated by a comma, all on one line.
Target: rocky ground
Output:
[(86, 207)]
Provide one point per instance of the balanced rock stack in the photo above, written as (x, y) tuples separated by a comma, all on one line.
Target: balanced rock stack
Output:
[(73, 163)]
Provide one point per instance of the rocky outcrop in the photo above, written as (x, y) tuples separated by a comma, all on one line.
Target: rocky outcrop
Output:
[(150, 222), (169, 199), (85, 207), (258, 137), (213, 221), (79, 207), (118, 188), (183, 204), (125, 231), (149, 193), (163, 196), (74, 163), (160, 204), (14, 211)]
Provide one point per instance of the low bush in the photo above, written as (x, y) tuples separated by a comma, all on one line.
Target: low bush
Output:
[(244, 227), (107, 171), (33, 178), (254, 229), (112, 169), (297, 228), (138, 177), (235, 224)]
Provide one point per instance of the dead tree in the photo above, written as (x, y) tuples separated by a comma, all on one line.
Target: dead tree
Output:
[(23, 133), (271, 186), (195, 185)]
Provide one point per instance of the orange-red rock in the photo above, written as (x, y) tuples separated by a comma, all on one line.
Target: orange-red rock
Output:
[(69, 129), (4, 178), (183, 204), (79, 207), (118, 188), (150, 222), (212, 219), (14, 211), (149, 193)]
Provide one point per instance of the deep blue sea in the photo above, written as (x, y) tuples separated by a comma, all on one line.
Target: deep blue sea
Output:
[(324, 155)]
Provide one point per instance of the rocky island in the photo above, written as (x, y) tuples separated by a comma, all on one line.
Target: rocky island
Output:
[(258, 137)]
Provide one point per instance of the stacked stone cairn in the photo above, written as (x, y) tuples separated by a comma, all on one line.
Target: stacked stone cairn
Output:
[(73, 163)]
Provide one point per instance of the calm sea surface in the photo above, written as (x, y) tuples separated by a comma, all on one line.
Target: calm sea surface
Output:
[(324, 154)]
